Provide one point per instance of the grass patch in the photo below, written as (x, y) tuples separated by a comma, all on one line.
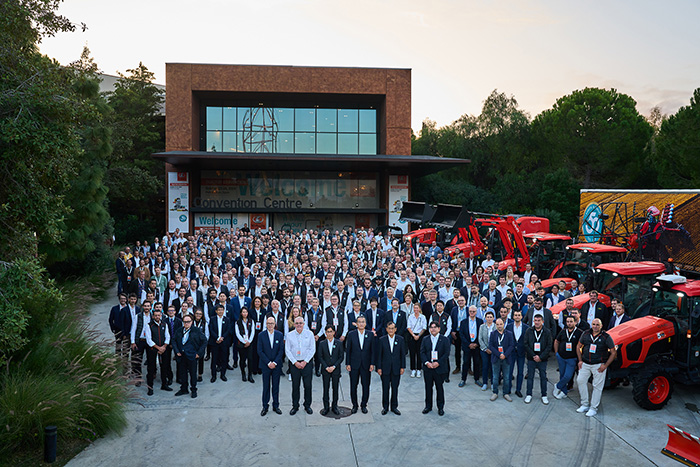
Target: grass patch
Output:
[(65, 376)]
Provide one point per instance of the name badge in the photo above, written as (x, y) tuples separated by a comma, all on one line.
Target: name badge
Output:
[(593, 347), (471, 336), (313, 325), (257, 326), (569, 346), (335, 321), (500, 349), (537, 346), (433, 355), (298, 352)]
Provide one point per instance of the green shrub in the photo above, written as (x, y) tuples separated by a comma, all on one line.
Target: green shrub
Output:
[(68, 379)]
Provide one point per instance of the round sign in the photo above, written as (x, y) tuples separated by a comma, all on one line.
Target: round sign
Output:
[(183, 218), (592, 223)]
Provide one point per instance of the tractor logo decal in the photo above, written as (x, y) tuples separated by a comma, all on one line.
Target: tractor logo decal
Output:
[(183, 218), (660, 335), (592, 225)]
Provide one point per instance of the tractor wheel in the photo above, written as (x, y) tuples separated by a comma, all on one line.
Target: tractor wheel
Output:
[(652, 389)]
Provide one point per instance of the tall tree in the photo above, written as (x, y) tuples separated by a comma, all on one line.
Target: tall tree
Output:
[(84, 226), (38, 139), (678, 147), (599, 135), (138, 130)]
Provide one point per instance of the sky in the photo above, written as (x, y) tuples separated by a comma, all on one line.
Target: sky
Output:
[(459, 51)]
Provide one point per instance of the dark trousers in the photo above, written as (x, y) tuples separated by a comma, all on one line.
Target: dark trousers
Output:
[(244, 354), (486, 368), (254, 357), (167, 370), (297, 376), (390, 381), (414, 352), (457, 343), (219, 358), (541, 367), (234, 350), (519, 361), (471, 357), (152, 358), (329, 378), (137, 358), (200, 364), (317, 360), (271, 379), (357, 375), (187, 368), (432, 377)]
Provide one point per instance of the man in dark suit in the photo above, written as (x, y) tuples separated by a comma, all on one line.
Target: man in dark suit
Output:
[(469, 335), (331, 356), (375, 317), (127, 315), (391, 363), (398, 317), (270, 352), (189, 345), (493, 295), (435, 354), (115, 323), (619, 317), (239, 302), (360, 361), (220, 332), (593, 309), (517, 357), (174, 323)]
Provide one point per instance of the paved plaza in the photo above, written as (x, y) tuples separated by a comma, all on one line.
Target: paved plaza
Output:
[(223, 426)]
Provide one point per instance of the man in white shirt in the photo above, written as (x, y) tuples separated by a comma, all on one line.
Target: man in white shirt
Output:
[(138, 339), (300, 348)]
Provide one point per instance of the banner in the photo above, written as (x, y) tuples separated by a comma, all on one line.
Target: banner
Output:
[(398, 193), (179, 201)]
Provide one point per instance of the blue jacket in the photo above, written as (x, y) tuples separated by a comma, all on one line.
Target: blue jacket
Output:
[(507, 343), (519, 344), (269, 354)]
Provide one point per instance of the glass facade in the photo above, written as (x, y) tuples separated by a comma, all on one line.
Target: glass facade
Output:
[(289, 190), (290, 130)]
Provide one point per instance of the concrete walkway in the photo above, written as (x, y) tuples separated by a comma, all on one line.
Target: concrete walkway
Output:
[(223, 427)]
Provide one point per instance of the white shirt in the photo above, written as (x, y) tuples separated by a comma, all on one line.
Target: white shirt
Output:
[(243, 338), (391, 342), (149, 337), (134, 323), (219, 323), (591, 313), (361, 337), (330, 345), (300, 346), (618, 319), (517, 330), (271, 335), (416, 324)]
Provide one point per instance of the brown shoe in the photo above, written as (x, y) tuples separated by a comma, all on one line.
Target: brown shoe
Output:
[(456, 371)]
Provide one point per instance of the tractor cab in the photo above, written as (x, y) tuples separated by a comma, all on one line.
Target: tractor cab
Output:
[(630, 283), (677, 300), (546, 251), (581, 260)]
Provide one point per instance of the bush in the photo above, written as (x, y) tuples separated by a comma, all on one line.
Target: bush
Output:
[(67, 379)]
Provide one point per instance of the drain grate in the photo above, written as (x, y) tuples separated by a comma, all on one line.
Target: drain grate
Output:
[(344, 412)]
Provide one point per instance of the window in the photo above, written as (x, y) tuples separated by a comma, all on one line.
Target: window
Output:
[(285, 130)]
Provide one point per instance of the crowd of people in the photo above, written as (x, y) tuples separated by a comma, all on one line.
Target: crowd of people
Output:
[(318, 301)]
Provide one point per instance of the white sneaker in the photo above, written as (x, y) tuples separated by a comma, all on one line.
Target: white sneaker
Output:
[(591, 412), (556, 392), (484, 387), (545, 401), (413, 373), (507, 397), (289, 377), (494, 396), (559, 394), (418, 373), (528, 399), (582, 409)]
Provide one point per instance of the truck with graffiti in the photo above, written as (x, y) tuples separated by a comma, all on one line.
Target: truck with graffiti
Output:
[(656, 225)]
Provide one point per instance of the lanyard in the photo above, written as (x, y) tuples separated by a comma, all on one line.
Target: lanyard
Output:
[(568, 337), (593, 341), (537, 338), (500, 339)]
